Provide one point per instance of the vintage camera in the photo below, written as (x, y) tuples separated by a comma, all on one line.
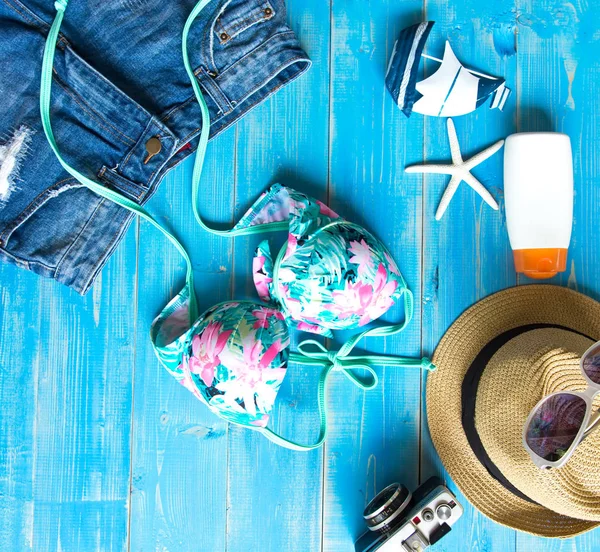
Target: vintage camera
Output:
[(399, 521)]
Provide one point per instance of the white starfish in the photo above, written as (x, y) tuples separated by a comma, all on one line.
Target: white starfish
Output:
[(460, 171)]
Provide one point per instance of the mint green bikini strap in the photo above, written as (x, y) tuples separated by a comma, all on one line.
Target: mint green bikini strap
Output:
[(329, 361), (203, 141), (318, 355), (45, 97)]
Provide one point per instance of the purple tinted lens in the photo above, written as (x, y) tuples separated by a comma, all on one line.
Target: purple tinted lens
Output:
[(591, 364), (555, 425)]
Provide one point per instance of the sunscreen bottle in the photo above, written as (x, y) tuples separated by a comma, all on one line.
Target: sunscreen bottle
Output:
[(538, 190)]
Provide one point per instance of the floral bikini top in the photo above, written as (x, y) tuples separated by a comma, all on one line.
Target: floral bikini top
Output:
[(330, 275)]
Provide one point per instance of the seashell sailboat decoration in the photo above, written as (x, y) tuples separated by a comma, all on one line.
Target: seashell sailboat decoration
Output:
[(452, 90)]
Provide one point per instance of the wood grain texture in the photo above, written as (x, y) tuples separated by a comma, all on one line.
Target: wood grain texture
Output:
[(101, 450), (19, 364), (83, 412), (66, 372)]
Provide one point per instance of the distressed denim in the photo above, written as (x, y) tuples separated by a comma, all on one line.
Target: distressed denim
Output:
[(119, 82)]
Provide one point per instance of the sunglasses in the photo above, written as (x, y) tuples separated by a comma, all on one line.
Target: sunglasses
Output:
[(559, 422)]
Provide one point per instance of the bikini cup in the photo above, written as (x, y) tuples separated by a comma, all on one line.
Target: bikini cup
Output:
[(330, 275)]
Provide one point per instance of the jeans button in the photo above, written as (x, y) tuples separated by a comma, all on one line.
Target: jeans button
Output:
[(153, 147), (224, 37)]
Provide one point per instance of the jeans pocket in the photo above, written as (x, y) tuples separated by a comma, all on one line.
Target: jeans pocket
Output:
[(238, 17), (241, 26)]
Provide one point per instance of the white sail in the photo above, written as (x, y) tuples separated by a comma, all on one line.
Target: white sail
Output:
[(500, 96), (450, 91)]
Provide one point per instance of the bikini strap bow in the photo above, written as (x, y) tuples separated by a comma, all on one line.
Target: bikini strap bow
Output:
[(313, 353)]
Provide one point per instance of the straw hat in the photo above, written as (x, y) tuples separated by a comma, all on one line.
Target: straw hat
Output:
[(495, 363)]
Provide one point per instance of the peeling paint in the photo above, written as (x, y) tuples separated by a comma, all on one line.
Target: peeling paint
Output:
[(570, 68), (572, 281), (371, 484), (559, 21), (501, 27), (504, 39), (561, 24), (12, 153), (97, 299), (201, 432)]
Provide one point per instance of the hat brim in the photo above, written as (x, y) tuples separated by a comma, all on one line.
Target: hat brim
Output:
[(487, 319)]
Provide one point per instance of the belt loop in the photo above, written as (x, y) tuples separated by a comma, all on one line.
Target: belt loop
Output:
[(208, 81)]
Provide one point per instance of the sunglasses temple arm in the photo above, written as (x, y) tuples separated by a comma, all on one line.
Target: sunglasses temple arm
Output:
[(593, 423)]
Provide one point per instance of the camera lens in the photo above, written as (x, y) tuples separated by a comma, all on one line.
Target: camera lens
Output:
[(386, 507)]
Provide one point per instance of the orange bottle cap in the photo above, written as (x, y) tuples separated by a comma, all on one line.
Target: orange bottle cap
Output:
[(540, 263)]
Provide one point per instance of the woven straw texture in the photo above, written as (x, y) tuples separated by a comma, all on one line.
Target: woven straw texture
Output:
[(494, 315), (521, 373)]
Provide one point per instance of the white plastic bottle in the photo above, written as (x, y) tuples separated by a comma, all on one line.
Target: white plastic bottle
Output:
[(538, 190)]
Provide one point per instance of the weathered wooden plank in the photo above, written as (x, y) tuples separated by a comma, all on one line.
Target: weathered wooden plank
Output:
[(179, 477), (558, 69), (19, 358), (466, 254), (274, 494), (374, 437), (82, 377)]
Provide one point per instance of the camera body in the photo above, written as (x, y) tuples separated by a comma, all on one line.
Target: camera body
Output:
[(403, 522)]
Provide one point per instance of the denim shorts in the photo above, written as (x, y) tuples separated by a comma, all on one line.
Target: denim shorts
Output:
[(119, 82)]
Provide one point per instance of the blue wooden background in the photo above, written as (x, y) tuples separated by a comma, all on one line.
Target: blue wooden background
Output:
[(100, 450)]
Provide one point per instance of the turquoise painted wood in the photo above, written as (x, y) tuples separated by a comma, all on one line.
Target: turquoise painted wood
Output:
[(101, 451), (377, 442)]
